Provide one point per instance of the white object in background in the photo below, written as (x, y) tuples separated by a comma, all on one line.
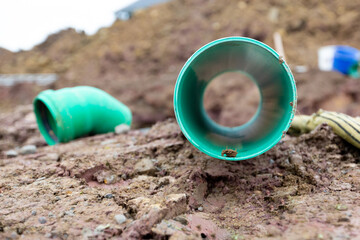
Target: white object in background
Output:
[(326, 58)]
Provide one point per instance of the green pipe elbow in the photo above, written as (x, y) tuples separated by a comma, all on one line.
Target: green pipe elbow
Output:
[(70, 113), (275, 112)]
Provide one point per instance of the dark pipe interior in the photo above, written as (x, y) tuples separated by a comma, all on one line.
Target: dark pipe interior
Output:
[(47, 120)]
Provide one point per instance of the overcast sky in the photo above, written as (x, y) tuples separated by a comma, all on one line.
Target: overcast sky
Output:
[(25, 23)]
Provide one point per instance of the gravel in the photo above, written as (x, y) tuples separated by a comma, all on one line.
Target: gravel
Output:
[(109, 195), (28, 149), (11, 153), (145, 166), (42, 220), (120, 218), (122, 128)]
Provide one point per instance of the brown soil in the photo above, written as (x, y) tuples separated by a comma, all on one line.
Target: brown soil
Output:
[(306, 187), (303, 188)]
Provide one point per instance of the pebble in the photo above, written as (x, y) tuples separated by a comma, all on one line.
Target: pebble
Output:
[(14, 235), (33, 213), (144, 130), (69, 213), (11, 153), (120, 218), (108, 142), (182, 220), (122, 128), (110, 179), (51, 215), (42, 220), (200, 209), (28, 149), (145, 166), (109, 195), (51, 157), (48, 235), (296, 159), (101, 228), (341, 207)]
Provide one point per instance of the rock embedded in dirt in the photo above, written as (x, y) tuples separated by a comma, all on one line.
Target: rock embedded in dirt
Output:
[(50, 157), (122, 128), (120, 218), (109, 195), (42, 220), (145, 166), (28, 149), (11, 153), (108, 142)]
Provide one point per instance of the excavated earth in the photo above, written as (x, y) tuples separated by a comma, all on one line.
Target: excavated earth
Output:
[(151, 183), (306, 187)]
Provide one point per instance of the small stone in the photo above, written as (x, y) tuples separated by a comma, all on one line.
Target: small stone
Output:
[(57, 198), (42, 220), (101, 228), (144, 130), (69, 213), (51, 215), (14, 235), (296, 159), (122, 128), (120, 218), (200, 209), (145, 166), (48, 235), (110, 179), (11, 153), (109, 195), (33, 213), (51, 157), (28, 149), (108, 142), (182, 220), (341, 207)]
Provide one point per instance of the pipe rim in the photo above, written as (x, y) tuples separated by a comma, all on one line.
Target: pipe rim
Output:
[(41, 104), (200, 51)]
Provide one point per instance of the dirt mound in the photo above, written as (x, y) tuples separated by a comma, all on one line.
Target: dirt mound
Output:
[(136, 60), (154, 184)]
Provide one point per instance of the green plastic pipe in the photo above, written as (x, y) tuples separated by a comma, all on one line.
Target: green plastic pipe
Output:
[(265, 68), (70, 113)]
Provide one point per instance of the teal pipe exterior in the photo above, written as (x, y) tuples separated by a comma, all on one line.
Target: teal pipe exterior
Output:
[(70, 113), (275, 112)]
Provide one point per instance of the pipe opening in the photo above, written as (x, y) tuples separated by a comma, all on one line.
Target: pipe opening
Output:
[(275, 107), (231, 99), (46, 121)]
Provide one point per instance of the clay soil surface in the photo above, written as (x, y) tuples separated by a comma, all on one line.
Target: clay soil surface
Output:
[(306, 187), (151, 183)]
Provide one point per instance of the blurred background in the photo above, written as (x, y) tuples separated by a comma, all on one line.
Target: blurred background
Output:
[(135, 49)]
